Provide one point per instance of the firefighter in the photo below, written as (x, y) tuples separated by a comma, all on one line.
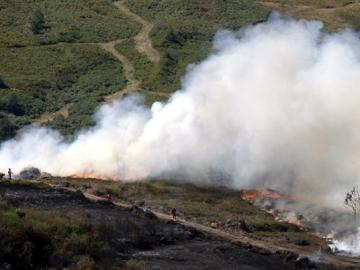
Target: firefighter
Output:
[(109, 196), (173, 213), (10, 173)]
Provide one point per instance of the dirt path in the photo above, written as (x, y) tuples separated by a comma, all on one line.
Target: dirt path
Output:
[(143, 45), (49, 117), (142, 39), (243, 239), (127, 69)]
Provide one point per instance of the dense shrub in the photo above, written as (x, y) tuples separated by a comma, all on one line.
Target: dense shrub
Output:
[(37, 22), (7, 127)]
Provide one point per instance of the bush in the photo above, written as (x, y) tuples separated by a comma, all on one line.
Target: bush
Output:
[(3, 85), (7, 127), (37, 23)]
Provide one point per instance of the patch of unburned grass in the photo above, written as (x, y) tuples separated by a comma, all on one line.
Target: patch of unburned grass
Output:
[(299, 238)]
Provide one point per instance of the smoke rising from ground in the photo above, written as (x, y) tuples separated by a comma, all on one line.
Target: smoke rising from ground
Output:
[(348, 245), (276, 105)]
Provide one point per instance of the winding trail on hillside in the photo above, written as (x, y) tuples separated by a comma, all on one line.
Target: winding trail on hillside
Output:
[(49, 117), (142, 39), (127, 68), (142, 44)]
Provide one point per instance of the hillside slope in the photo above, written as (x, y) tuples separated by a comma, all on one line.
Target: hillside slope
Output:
[(51, 57), (59, 61), (80, 233)]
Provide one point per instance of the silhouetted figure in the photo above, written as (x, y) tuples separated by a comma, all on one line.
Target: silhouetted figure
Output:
[(173, 213), (2, 175), (10, 173), (109, 196)]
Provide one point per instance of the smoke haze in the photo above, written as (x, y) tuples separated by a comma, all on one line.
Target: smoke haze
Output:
[(277, 105)]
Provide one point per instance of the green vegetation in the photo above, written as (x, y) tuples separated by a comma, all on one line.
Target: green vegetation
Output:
[(47, 60), (51, 56), (32, 239), (39, 22), (80, 74), (145, 70), (183, 33)]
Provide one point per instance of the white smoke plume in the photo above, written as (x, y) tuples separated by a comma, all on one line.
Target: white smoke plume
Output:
[(349, 245), (277, 105)]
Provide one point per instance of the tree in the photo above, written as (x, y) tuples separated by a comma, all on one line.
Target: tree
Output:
[(13, 102), (3, 84), (38, 24), (352, 200), (7, 128)]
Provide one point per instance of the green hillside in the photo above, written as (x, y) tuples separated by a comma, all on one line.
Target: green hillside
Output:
[(47, 60), (53, 52)]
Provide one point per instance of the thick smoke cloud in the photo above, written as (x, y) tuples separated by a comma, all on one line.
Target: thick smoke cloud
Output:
[(277, 105)]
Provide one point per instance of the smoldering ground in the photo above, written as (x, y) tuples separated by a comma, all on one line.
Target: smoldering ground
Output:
[(275, 105)]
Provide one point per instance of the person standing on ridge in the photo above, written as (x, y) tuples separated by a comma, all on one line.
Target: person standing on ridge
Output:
[(173, 213), (10, 173)]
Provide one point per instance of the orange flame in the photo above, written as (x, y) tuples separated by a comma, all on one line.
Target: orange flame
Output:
[(253, 195), (93, 176), (295, 221)]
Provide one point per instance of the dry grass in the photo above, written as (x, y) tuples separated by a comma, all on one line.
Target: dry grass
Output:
[(335, 14)]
